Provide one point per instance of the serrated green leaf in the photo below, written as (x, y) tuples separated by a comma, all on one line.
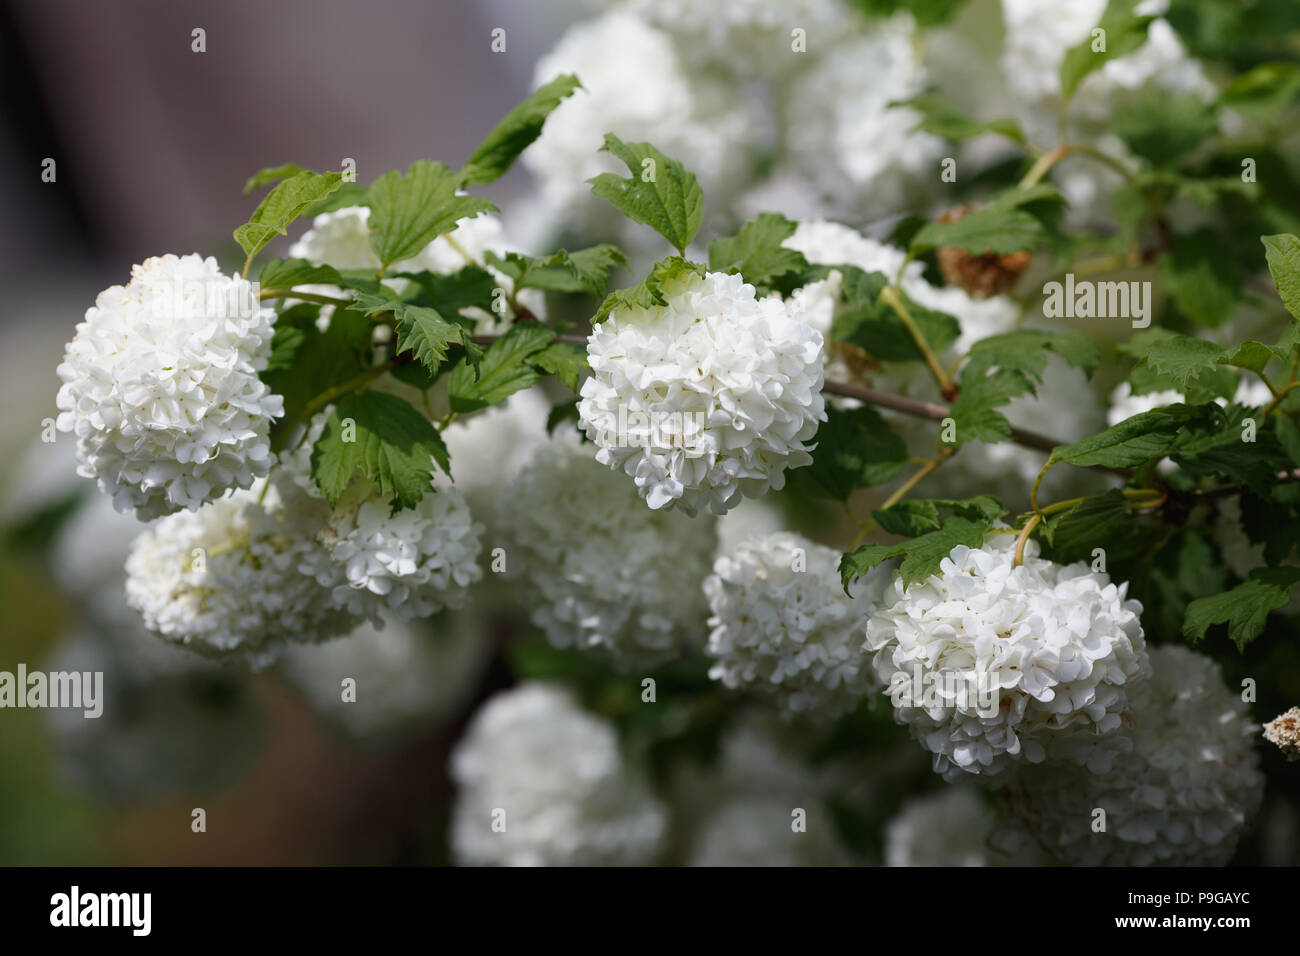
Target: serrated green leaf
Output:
[(320, 360), (1283, 254), (1102, 521), (585, 270), (468, 288), (756, 251), (504, 370), (1136, 440), (916, 516), (1027, 352), (271, 174), (1244, 609), (283, 205), (1125, 32), (1217, 448), (664, 278), (287, 273), (407, 213), (1161, 126), (661, 193), (564, 360), (1205, 284), (942, 118), (395, 447), (921, 555), (1179, 359), (1013, 221), (856, 448), (516, 131), (975, 412), (1252, 356)]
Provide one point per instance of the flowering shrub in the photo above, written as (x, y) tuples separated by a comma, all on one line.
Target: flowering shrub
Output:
[(1035, 306)]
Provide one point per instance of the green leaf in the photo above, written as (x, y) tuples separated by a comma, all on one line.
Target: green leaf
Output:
[(921, 556), (915, 516), (1135, 440), (290, 334), (855, 449), (565, 411), (1125, 32), (1027, 352), (319, 360), (1179, 359), (1252, 356), (975, 412), (942, 118), (1205, 284), (1283, 254), (564, 360), (585, 270), (282, 205), (756, 251), (1163, 127), (665, 278), (1013, 221), (661, 193), (516, 132), (271, 174), (421, 329), (469, 288), (1244, 609), (406, 214), (1218, 449), (870, 324), (287, 273), (395, 447), (505, 369), (1102, 521)]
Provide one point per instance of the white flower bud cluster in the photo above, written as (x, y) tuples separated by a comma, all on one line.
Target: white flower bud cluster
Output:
[(712, 396), (160, 387)]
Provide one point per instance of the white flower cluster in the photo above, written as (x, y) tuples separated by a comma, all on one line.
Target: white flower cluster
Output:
[(1180, 797), (407, 675), (160, 387), (488, 448), (635, 86), (726, 388), (342, 239), (227, 580), (954, 827), (783, 626), (843, 136), (989, 664), (600, 570), (543, 783)]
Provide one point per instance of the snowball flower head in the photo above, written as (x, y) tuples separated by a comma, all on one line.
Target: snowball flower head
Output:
[(553, 775), (1180, 797), (160, 387), (783, 626), (707, 398), (989, 664), (953, 827), (226, 581), (600, 570)]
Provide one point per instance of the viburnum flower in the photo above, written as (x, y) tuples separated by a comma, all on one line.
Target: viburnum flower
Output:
[(407, 674), (600, 570), (160, 387), (543, 783), (989, 664), (954, 827), (342, 239), (228, 580), (635, 86), (1180, 797), (707, 398), (844, 134), (784, 628), (1284, 731), (489, 448)]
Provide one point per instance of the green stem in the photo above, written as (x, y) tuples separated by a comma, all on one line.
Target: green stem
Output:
[(305, 296), (892, 298)]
